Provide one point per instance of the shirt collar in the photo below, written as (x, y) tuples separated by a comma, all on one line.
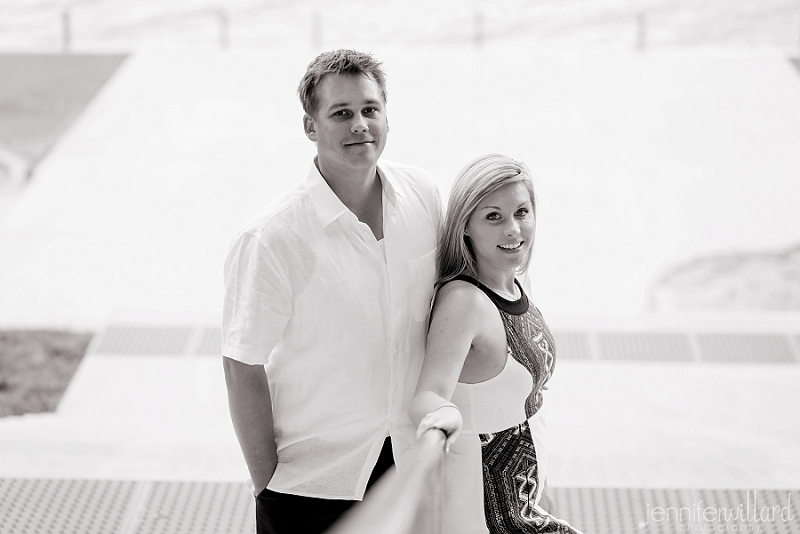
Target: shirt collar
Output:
[(391, 189), (327, 204)]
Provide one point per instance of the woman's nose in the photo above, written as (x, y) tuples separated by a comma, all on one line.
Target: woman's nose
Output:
[(512, 227)]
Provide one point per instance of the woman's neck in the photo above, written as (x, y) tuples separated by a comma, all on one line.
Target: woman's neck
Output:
[(499, 281)]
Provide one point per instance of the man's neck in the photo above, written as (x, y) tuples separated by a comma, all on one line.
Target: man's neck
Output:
[(360, 191)]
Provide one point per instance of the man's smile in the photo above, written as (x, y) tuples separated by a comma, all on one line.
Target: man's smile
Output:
[(358, 143)]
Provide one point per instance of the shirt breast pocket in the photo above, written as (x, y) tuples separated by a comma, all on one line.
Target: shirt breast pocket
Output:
[(423, 276)]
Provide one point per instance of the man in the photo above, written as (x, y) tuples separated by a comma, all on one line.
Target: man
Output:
[(328, 291)]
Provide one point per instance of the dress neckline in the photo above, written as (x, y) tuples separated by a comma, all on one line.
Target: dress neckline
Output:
[(513, 307)]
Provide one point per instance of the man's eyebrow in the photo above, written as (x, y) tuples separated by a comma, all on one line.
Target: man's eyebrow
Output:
[(348, 104)]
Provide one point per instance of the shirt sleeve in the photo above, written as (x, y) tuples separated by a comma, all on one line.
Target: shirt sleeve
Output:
[(258, 301)]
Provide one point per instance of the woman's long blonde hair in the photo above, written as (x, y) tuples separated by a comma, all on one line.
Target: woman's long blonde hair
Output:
[(478, 179)]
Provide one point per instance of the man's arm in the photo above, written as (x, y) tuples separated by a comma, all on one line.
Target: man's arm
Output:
[(251, 412)]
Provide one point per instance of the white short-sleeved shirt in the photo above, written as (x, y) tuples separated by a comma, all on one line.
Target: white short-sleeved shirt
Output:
[(340, 325)]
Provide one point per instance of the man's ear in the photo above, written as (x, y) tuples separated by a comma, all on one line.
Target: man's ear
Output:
[(309, 128)]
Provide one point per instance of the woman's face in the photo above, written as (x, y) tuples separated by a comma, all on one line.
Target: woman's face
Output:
[(502, 228)]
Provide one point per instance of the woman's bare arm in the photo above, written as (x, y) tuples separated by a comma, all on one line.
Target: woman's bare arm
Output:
[(454, 326)]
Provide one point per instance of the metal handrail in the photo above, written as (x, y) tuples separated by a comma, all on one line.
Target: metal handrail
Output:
[(395, 504)]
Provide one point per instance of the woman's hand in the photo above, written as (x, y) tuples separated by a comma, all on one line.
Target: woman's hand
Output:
[(446, 418)]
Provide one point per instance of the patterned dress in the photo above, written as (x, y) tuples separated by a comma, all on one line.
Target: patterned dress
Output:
[(498, 411)]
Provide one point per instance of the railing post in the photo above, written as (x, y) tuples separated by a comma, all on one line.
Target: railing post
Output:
[(223, 26), (66, 31), (478, 28), (641, 31), (316, 29)]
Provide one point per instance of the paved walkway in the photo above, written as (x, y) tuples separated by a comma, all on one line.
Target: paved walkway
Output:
[(159, 412), (142, 441)]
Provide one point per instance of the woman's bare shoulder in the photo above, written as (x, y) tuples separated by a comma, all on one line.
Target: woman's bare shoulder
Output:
[(457, 289), (460, 299)]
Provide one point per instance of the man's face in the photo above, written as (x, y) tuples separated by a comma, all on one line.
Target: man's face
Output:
[(349, 125)]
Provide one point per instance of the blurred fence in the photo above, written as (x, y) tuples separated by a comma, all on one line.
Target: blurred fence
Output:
[(101, 25)]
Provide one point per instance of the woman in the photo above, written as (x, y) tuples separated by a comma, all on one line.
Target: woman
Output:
[(489, 356)]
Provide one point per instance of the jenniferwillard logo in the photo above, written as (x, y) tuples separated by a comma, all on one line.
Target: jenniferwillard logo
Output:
[(747, 517)]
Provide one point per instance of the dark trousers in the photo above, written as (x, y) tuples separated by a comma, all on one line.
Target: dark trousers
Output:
[(281, 513)]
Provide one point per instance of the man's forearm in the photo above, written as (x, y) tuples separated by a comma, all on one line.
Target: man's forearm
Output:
[(251, 412)]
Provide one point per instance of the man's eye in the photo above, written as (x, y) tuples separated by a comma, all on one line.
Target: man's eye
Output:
[(370, 111), (341, 113)]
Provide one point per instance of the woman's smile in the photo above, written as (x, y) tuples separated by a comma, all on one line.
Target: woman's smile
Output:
[(511, 247)]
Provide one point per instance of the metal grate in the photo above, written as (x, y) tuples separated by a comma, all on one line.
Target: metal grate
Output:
[(210, 342), (572, 345), (63, 506), (101, 507), (630, 510), (744, 347), (197, 508), (613, 510), (645, 346), (143, 340)]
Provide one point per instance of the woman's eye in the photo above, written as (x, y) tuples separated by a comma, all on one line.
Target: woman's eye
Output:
[(493, 216), (522, 212)]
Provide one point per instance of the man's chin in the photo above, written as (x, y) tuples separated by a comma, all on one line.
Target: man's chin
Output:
[(363, 159)]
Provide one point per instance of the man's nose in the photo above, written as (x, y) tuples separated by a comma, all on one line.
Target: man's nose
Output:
[(359, 125)]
